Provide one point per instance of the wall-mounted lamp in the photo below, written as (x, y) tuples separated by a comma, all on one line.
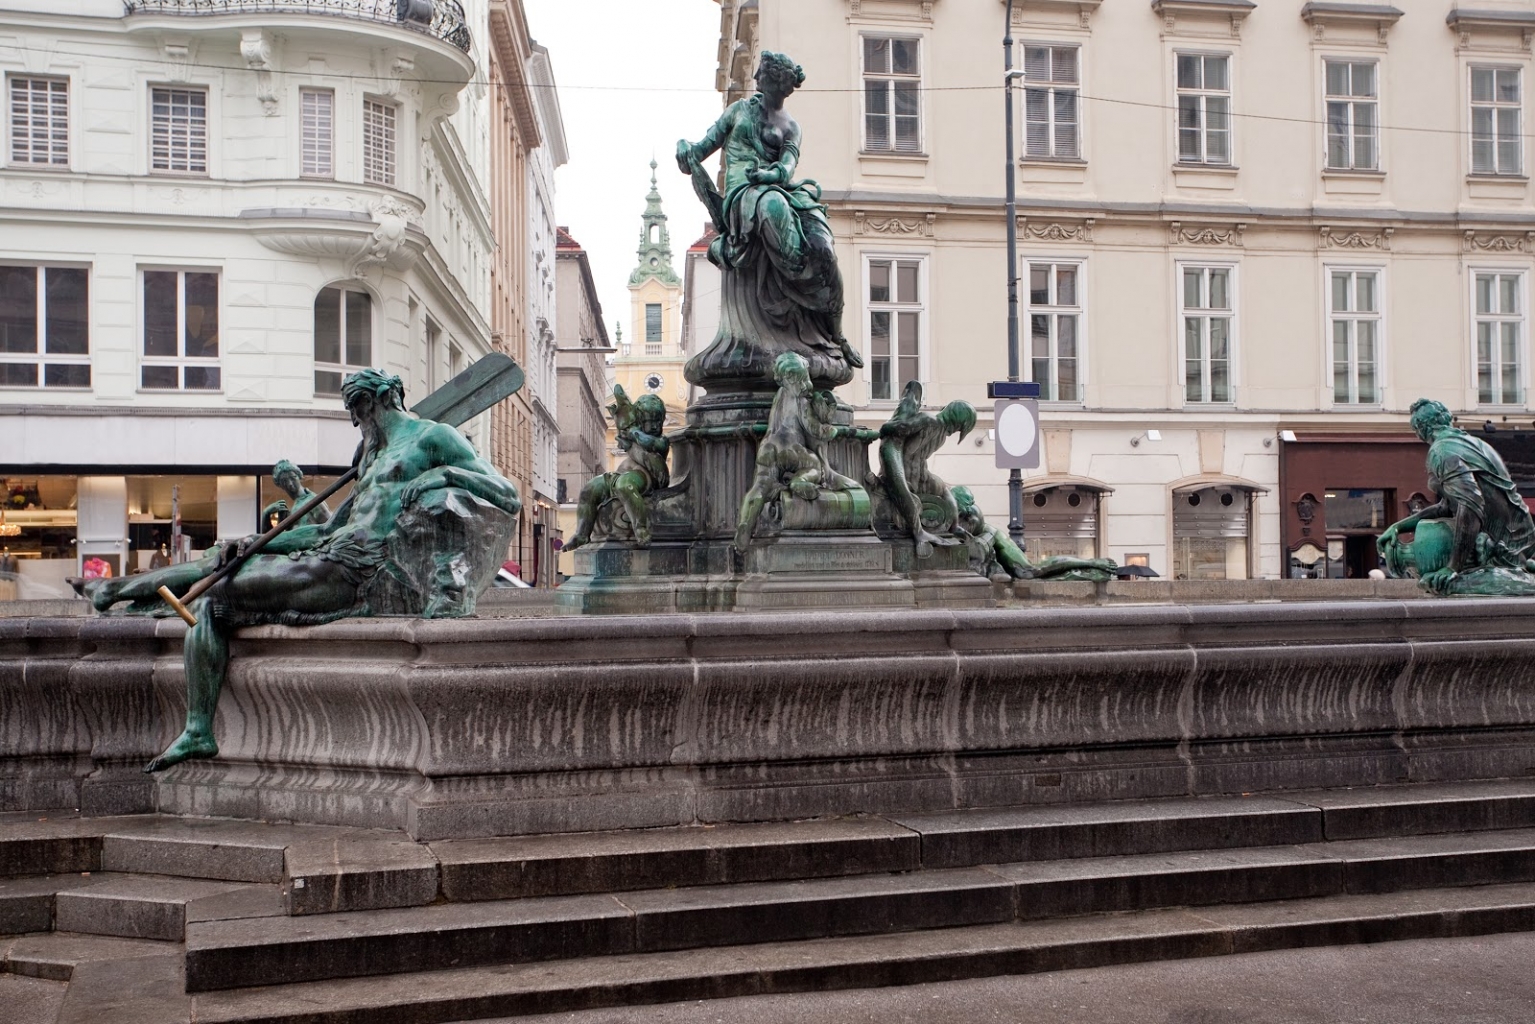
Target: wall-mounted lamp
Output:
[(1150, 435), (1287, 436)]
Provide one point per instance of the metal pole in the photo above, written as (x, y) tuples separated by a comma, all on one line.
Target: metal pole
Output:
[(1014, 477)]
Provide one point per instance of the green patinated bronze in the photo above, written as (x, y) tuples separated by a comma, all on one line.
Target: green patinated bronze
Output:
[(424, 530), (1478, 539), (993, 552), (921, 500), (791, 457), (643, 472), (781, 290)]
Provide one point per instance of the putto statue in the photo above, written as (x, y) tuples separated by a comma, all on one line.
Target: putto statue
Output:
[(791, 458), (642, 473), (423, 532), (781, 289), (1478, 538), (907, 440), (993, 552)]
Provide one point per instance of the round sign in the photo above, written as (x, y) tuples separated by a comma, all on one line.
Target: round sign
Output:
[(1016, 430)]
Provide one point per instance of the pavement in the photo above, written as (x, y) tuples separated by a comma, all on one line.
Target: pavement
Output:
[(1483, 980)]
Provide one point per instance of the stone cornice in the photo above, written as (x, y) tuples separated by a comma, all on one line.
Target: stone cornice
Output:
[(1082, 9), (1321, 16), (1172, 11), (1466, 20)]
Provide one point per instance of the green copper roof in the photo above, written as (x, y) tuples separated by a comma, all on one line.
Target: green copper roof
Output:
[(655, 242)]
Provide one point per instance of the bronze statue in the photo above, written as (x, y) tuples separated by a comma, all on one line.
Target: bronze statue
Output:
[(993, 551), (907, 440), (791, 457), (781, 289), (643, 471), (424, 530), (1478, 538)]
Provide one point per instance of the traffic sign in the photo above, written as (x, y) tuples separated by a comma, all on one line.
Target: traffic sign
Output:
[(1017, 421)]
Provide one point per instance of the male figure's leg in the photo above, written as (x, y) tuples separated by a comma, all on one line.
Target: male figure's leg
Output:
[(592, 496), (265, 588), (631, 493)]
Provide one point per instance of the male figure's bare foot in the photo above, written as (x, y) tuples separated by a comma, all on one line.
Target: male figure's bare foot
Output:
[(191, 743)]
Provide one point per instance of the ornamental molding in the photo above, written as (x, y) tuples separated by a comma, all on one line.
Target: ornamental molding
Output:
[(256, 49), (1380, 240), (387, 240), (177, 52), (1083, 10), (1487, 22), (855, 8), (1178, 234), (1499, 243), (1173, 11), (1322, 16), (1056, 231), (865, 224)]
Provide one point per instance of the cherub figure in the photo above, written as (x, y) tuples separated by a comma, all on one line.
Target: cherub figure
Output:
[(639, 425), (999, 553), (791, 457), (907, 441)]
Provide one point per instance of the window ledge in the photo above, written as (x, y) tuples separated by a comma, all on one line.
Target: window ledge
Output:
[(1206, 168), (1351, 172), (1497, 186), (1205, 176), (22, 167), (1052, 161), (44, 388), (1051, 170), (890, 154), (1365, 183), (1521, 178)]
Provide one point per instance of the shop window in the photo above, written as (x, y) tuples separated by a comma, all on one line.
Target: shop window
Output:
[(181, 331), (45, 327), (1210, 531), (343, 336), (1061, 521)]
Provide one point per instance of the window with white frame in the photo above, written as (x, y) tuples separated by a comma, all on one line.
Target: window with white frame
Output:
[(44, 327), (1353, 129), (178, 137), (652, 328), (1055, 329), (1052, 120), (378, 142), (1205, 308), (39, 114), (181, 331), (1499, 328), (1204, 108), (1496, 145), (317, 132), (1354, 316), (895, 310), (343, 336), (892, 93)]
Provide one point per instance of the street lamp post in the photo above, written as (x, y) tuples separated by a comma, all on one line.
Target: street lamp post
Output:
[(1014, 476)]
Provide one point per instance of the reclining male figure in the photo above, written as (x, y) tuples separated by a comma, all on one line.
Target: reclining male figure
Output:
[(319, 573)]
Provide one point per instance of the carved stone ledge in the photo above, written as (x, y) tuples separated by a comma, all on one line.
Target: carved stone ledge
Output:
[(1056, 231), (1324, 15), (1496, 243), (1179, 234), (256, 49), (1172, 12), (1351, 239), (881, 224)]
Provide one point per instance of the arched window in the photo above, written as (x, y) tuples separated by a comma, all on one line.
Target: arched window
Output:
[(343, 336)]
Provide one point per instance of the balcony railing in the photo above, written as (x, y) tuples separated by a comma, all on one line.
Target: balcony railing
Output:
[(440, 19)]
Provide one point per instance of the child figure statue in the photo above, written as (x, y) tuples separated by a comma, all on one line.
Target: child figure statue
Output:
[(639, 425)]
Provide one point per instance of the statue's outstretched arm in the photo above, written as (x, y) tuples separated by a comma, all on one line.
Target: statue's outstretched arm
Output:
[(692, 152), (649, 442)]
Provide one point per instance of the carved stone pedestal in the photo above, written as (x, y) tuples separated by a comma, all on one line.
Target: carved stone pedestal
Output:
[(821, 569), (945, 579)]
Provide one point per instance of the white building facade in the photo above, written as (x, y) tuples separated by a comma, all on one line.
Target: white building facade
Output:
[(1250, 235), (212, 212)]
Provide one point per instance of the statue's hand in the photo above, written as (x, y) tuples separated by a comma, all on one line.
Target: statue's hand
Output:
[(685, 156), (1439, 581), (1385, 540), (772, 175)]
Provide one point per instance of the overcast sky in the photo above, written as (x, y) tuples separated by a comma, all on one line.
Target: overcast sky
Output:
[(633, 77)]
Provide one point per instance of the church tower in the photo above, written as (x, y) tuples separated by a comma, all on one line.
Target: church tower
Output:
[(650, 357)]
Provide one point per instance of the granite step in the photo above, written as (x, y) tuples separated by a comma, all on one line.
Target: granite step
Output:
[(466, 993), (277, 950), (127, 906), (57, 955)]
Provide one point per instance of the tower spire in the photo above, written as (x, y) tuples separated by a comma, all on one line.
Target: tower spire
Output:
[(655, 251)]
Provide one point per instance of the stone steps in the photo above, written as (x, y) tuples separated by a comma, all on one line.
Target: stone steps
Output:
[(466, 993), (128, 906), (232, 954)]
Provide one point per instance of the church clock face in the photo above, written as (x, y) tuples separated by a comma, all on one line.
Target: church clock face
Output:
[(654, 381), (655, 261)]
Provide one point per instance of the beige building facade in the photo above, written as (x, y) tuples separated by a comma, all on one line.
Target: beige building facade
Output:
[(583, 351), (1250, 235)]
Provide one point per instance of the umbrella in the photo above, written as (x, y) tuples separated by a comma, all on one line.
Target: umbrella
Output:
[(1126, 571)]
